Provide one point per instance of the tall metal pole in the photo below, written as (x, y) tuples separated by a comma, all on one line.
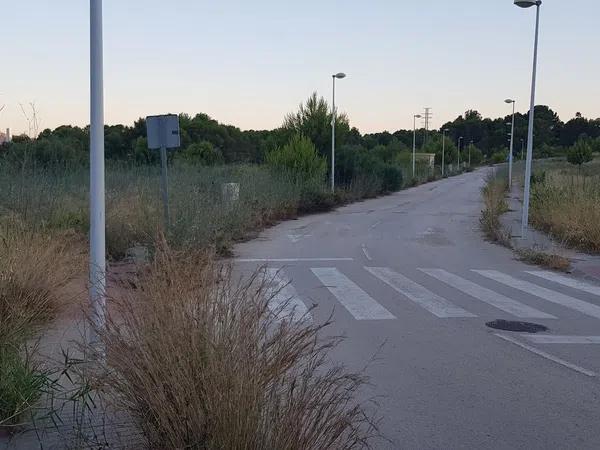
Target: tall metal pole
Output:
[(459, 139), (97, 205), (470, 146), (525, 219), (414, 144), (165, 186), (333, 139), (510, 155)]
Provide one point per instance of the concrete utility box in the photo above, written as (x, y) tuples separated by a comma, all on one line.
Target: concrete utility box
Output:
[(231, 192), (163, 131)]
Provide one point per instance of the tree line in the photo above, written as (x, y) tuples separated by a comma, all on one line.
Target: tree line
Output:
[(206, 141)]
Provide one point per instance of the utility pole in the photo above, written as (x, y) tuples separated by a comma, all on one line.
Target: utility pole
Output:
[(427, 121)]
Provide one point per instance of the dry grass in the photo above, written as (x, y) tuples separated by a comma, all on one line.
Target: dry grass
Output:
[(202, 362), (543, 259), (34, 269), (567, 206), (494, 193)]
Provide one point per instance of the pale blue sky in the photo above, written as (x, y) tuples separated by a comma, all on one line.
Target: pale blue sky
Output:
[(248, 63)]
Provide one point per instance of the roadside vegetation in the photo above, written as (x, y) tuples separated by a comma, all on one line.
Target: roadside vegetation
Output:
[(215, 366), (494, 199), (35, 269), (565, 201)]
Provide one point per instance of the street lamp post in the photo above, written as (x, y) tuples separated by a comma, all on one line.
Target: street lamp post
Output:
[(522, 149), (97, 205), (415, 117), (525, 218), (444, 149), (339, 75), (512, 137), (459, 139)]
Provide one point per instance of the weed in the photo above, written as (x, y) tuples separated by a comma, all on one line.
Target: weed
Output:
[(494, 193), (543, 259), (202, 362)]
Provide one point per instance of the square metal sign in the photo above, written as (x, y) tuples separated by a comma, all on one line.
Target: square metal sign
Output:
[(163, 131)]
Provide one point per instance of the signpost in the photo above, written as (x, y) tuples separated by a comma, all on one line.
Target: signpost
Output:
[(163, 134)]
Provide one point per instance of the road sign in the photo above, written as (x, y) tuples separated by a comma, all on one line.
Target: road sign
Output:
[(163, 131)]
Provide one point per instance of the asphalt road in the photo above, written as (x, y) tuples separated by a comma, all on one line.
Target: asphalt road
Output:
[(412, 272)]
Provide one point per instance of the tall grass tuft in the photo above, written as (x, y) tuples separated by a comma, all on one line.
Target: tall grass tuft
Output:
[(200, 361), (494, 193)]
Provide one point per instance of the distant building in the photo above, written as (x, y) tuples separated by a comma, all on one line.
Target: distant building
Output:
[(5, 137)]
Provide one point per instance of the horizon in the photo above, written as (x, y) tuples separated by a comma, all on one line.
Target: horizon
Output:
[(285, 52)]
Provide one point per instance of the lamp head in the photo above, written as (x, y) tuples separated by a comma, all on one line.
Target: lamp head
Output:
[(339, 75), (527, 3), (508, 100), (417, 116)]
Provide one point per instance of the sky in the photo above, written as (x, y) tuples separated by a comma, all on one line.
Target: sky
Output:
[(248, 63)]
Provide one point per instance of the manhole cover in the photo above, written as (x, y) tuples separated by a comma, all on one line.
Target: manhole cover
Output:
[(521, 327)]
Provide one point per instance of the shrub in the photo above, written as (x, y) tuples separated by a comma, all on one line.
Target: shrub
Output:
[(202, 362), (498, 157), (580, 153), (391, 178), (203, 153), (300, 158)]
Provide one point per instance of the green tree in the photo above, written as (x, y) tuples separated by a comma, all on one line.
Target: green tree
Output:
[(313, 120), (299, 158)]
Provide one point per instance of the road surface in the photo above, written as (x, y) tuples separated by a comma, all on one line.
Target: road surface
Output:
[(412, 272)]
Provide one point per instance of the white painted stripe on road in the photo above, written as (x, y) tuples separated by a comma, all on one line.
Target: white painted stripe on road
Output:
[(566, 281), (543, 293), (292, 259), (284, 297), (487, 295), (549, 339), (433, 303), (548, 356), (366, 252), (358, 303)]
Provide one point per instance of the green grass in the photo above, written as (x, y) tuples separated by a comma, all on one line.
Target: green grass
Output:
[(22, 384)]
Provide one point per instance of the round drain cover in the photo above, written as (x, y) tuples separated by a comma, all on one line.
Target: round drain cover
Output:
[(521, 327)]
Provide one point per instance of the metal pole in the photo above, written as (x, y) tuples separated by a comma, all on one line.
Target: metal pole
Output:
[(525, 219), (164, 181), (510, 155), (333, 139), (414, 144), (458, 165), (443, 150), (522, 149), (97, 206)]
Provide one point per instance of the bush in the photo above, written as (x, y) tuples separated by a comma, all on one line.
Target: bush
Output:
[(391, 178), (580, 153), (203, 153), (498, 157), (202, 362), (300, 158)]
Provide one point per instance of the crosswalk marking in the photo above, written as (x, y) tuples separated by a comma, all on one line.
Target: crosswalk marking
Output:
[(566, 281), (284, 298), (358, 303), (548, 339), (487, 296), (541, 292), (433, 303)]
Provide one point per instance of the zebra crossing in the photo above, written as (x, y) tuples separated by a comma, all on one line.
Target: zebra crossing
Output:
[(356, 300)]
